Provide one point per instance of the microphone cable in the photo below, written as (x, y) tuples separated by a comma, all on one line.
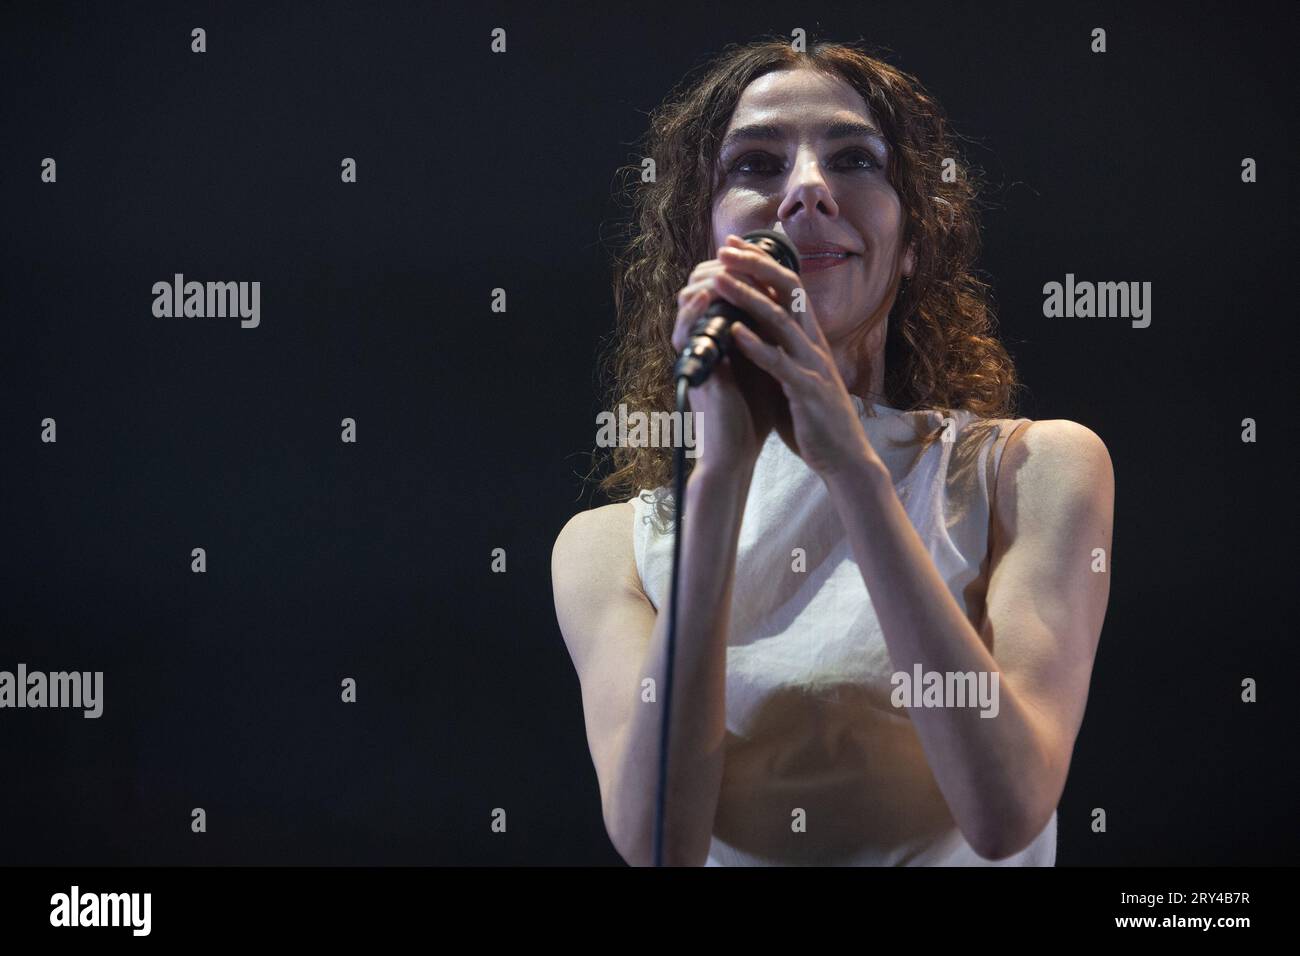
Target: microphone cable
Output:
[(679, 506)]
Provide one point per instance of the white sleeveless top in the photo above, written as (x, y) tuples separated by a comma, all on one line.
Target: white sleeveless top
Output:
[(810, 725)]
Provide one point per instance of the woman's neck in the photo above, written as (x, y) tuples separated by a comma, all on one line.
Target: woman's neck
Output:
[(861, 365)]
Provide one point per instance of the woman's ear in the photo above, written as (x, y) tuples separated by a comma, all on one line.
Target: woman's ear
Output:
[(909, 259)]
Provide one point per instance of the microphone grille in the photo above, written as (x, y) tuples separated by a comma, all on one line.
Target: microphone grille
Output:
[(778, 246)]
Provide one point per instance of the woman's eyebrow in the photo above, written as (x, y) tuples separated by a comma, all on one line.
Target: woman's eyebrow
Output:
[(841, 129)]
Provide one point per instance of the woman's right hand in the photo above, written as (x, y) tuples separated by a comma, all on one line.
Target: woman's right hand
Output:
[(739, 403)]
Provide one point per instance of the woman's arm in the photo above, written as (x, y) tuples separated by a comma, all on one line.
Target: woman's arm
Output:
[(616, 641), (1003, 776)]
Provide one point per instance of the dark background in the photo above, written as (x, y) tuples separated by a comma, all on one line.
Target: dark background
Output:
[(372, 560)]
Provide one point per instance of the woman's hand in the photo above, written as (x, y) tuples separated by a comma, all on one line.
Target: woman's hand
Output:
[(824, 427), (738, 404)]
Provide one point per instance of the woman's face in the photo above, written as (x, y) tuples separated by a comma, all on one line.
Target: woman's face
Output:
[(803, 154)]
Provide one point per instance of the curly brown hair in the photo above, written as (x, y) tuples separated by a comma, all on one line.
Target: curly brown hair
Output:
[(940, 350)]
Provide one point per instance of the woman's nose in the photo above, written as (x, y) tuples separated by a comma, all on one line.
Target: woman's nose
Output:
[(808, 189)]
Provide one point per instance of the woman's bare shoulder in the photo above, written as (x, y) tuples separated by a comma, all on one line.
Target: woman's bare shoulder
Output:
[(599, 602), (596, 543), (1055, 464), (1062, 441)]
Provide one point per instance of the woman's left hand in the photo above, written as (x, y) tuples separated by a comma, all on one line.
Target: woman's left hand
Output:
[(825, 429)]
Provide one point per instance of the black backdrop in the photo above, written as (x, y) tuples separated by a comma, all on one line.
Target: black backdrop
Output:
[(372, 560)]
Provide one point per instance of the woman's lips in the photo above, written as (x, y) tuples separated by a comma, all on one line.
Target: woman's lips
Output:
[(820, 263)]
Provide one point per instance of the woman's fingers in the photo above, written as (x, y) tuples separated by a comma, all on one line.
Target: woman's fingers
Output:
[(744, 258), (690, 305), (771, 359), (771, 318), (702, 278)]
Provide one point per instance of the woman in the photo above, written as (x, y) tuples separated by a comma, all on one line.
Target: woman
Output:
[(864, 520)]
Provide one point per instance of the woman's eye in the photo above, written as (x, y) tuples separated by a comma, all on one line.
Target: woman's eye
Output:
[(862, 154), (750, 160)]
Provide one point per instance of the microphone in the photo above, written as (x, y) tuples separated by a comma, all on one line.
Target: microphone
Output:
[(711, 333)]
